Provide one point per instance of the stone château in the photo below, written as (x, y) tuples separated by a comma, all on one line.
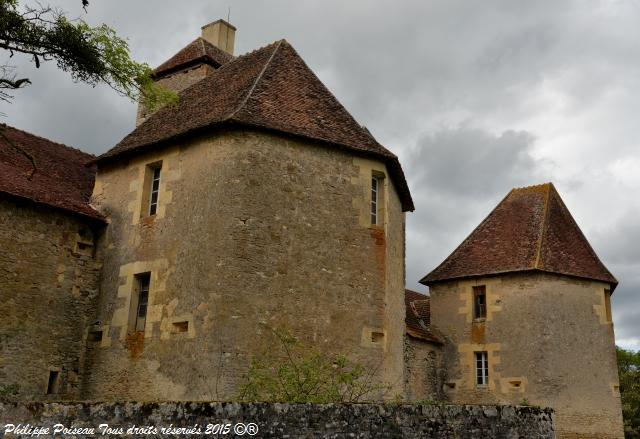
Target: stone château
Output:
[(149, 272)]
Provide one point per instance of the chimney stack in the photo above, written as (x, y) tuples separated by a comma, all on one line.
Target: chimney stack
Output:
[(221, 34)]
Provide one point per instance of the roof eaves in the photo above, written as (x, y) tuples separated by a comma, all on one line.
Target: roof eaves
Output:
[(432, 338), (435, 280), (94, 216)]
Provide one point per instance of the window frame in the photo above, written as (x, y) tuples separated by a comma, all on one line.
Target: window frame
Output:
[(139, 306), (482, 368), (155, 175), (375, 200), (607, 305), (479, 309)]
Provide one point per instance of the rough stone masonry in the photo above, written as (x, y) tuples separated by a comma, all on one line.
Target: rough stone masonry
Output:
[(282, 420)]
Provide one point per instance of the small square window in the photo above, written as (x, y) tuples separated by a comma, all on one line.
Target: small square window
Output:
[(180, 327), (95, 336), (377, 337)]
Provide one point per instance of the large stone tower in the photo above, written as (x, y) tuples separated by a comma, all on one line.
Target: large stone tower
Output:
[(524, 307), (257, 199)]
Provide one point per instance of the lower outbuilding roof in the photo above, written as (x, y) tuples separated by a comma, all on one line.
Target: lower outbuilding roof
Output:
[(46, 172), (418, 317)]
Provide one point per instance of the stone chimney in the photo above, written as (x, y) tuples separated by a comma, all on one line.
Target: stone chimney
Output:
[(221, 34)]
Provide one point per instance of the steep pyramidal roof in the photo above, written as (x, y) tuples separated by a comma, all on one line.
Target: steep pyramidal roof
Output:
[(198, 51), (531, 229), (45, 172), (270, 88), (418, 317)]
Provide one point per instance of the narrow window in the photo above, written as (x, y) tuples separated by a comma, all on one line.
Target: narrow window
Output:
[(482, 369), (155, 187), (54, 382), (607, 304), (139, 303), (375, 188), (479, 302)]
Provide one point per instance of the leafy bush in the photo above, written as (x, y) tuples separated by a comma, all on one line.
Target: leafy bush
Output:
[(290, 371), (629, 372), (8, 392)]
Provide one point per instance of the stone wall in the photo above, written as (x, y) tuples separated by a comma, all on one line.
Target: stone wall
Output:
[(292, 421), (48, 286), (251, 228), (424, 370), (549, 341)]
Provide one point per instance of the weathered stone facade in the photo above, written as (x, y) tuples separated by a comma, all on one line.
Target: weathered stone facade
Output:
[(49, 274), (549, 343), (424, 370), (285, 420), (251, 228)]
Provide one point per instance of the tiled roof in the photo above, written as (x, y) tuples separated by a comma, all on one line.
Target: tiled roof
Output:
[(270, 88), (198, 51), (418, 317), (59, 179), (531, 229)]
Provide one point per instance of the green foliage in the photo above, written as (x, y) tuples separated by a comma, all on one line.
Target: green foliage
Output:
[(629, 373), (292, 372), (9, 391), (89, 54)]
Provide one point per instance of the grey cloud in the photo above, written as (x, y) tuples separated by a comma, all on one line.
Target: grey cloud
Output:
[(460, 175), (468, 162)]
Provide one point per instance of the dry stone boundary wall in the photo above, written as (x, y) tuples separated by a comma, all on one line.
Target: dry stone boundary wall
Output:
[(288, 420)]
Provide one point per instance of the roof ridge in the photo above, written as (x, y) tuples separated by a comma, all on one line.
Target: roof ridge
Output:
[(255, 83), (545, 222), (533, 186)]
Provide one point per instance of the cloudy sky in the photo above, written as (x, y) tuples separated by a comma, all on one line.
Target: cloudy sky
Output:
[(476, 97)]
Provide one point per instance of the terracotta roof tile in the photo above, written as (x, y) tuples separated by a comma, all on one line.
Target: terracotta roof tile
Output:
[(61, 178), (198, 51), (270, 88), (531, 229), (418, 317)]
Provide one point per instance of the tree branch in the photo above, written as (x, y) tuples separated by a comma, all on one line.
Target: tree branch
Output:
[(8, 83)]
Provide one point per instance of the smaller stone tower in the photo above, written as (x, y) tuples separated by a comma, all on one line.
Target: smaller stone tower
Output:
[(195, 61), (524, 307)]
